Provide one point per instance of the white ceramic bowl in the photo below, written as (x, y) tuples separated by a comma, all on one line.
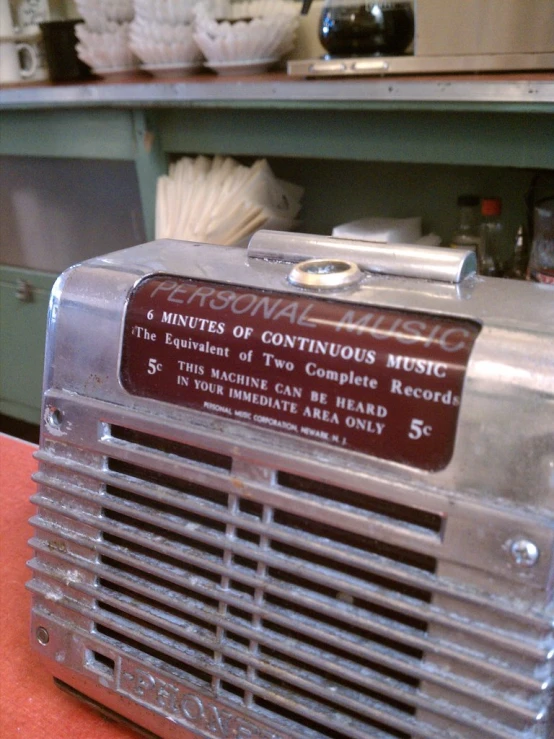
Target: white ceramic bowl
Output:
[(270, 37), (232, 10), (96, 20), (109, 50), (164, 33), (158, 44), (95, 13), (262, 8), (165, 11)]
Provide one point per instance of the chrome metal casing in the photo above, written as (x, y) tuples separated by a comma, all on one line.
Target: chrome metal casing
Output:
[(202, 576)]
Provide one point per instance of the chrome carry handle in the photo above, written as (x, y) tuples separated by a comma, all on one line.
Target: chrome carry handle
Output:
[(402, 260)]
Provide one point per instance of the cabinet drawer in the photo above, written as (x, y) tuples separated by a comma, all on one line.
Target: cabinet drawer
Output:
[(24, 297)]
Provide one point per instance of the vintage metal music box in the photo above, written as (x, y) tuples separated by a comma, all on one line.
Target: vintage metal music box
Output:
[(300, 492)]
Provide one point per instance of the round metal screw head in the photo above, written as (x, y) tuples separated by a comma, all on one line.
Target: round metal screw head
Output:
[(524, 552), (43, 637)]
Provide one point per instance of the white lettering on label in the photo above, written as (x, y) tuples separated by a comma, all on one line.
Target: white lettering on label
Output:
[(143, 333), (235, 378), (190, 368), (288, 390), (265, 401), (272, 361), (342, 378), (405, 331), (361, 407), (193, 322), (421, 393), (204, 347), (417, 366), (208, 387), (321, 414), (348, 353), (375, 325), (364, 424)]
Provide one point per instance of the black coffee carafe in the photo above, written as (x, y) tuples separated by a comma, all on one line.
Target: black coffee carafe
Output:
[(379, 28)]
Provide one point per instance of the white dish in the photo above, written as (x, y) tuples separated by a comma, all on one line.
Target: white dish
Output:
[(165, 11), (260, 38), (98, 12), (251, 66), (105, 50), (171, 70)]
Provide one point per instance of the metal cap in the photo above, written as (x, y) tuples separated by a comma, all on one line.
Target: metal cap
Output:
[(325, 274)]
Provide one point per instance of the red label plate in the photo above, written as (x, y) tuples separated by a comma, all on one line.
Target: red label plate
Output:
[(383, 382)]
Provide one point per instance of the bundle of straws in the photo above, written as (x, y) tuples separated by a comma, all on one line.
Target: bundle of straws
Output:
[(219, 201)]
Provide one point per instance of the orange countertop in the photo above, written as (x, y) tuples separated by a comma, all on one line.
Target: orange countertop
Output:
[(31, 707)]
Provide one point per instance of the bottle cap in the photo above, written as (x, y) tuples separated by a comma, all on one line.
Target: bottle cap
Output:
[(469, 200), (491, 206)]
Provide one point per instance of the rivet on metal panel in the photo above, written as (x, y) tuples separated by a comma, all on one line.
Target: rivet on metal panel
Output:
[(524, 553), (43, 637)]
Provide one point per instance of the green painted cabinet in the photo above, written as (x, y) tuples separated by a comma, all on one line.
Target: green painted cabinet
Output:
[(24, 298)]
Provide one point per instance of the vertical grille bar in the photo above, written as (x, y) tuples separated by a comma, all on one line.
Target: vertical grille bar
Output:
[(259, 597), (230, 530)]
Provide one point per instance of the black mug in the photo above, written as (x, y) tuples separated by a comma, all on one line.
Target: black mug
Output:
[(60, 41)]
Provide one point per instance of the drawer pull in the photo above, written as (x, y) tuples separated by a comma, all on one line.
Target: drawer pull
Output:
[(24, 291)]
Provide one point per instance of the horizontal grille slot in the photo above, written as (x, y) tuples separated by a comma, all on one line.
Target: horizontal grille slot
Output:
[(163, 660), (192, 520), (352, 545), (301, 697), (202, 641), (294, 625), (345, 581), (351, 635), (530, 648), (204, 613), (209, 495), (265, 693), (192, 648), (155, 584), (528, 619), (362, 502), (203, 577), (295, 615), (241, 618), (304, 719), (482, 691), (364, 544), (330, 592), (175, 448), (368, 702)]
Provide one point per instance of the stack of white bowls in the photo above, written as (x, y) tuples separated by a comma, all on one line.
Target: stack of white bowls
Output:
[(161, 36), (250, 37), (104, 35)]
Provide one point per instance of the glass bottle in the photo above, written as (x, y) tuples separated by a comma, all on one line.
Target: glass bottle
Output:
[(491, 235), (541, 264), (520, 257), (466, 235)]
